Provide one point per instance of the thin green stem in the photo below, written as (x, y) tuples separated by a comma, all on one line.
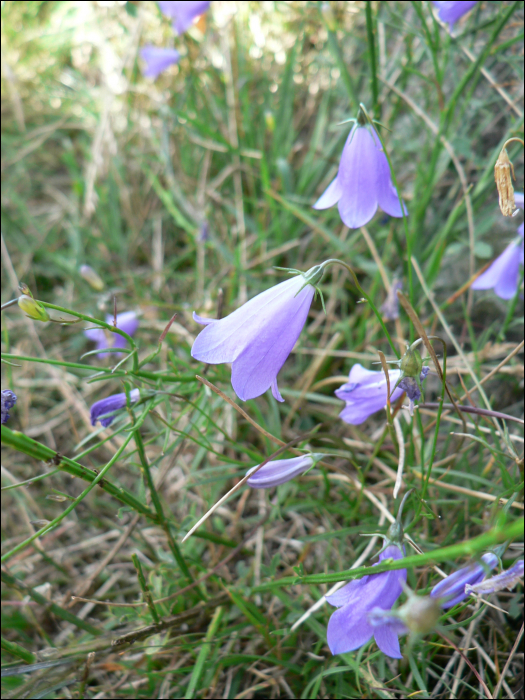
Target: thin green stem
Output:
[(108, 326), (158, 506), (22, 443), (145, 588), (103, 370), (470, 548), (438, 422), (370, 33), (97, 479), (403, 212), (332, 261)]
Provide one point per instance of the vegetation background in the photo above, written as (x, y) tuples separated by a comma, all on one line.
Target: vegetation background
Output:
[(185, 193)]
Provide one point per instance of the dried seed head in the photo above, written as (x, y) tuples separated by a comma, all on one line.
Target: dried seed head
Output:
[(503, 174)]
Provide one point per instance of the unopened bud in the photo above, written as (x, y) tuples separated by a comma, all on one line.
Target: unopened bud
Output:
[(411, 363), (91, 277), (269, 120), (32, 308), (25, 289), (503, 174)]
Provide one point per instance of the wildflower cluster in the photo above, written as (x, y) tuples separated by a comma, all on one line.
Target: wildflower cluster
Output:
[(258, 337)]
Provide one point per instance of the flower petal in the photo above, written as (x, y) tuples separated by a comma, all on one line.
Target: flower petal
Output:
[(503, 274), (128, 322), (331, 195), (157, 60), (388, 641), (183, 12), (366, 393), (279, 471), (104, 409), (256, 367), (507, 579), (349, 593), (347, 632), (386, 192), (224, 341), (452, 588), (450, 11), (204, 321), (358, 178)]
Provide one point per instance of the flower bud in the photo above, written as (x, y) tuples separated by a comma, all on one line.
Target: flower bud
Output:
[(280, 471), (269, 120), (92, 278), (32, 308), (8, 401), (508, 579), (411, 363), (503, 173)]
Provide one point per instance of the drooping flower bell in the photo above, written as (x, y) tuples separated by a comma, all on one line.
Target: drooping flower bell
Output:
[(157, 59), (450, 12), (349, 627), (503, 274), (451, 590), (508, 579), (183, 12), (258, 337), (366, 391), (126, 321), (105, 409), (8, 401), (280, 471), (363, 180)]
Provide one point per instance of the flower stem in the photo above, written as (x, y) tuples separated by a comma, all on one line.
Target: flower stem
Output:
[(405, 221), (332, 261), (372, 58), (102, 324)]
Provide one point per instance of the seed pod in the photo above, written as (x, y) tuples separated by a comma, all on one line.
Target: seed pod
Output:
[(503, 174)]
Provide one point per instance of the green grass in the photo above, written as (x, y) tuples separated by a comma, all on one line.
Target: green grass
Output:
[(103, 167)]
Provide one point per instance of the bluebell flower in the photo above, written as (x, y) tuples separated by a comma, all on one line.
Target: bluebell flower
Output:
[(258, 337), (451, 590), (8, 401), (450, 12), (183, 12), (363, 180), (280, 471), (126, 321), (503, 274), (365, 392), (508, 579), (105, 409), (157, 60), (349, 626)]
